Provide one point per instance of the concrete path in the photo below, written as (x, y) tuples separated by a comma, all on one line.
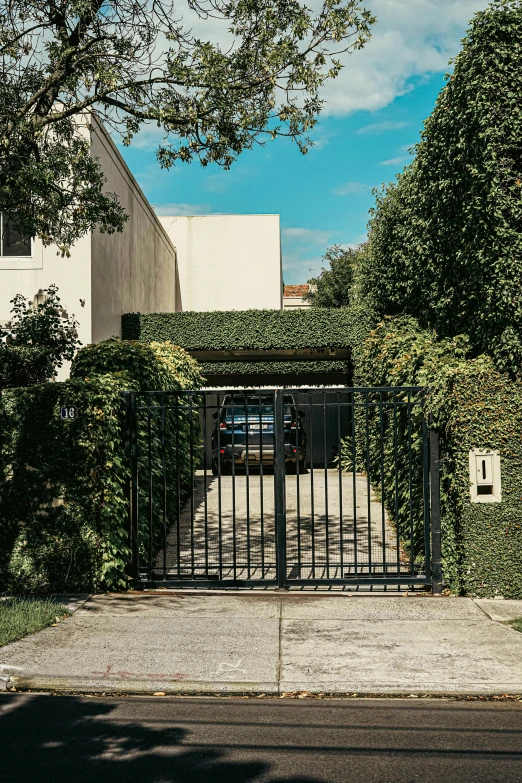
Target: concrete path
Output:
[(271, 643), (333, 522)]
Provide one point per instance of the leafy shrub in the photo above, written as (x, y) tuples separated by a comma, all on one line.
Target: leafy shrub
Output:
[(47, 327), (445, 241), (24, 366), (154, 366), (165, 427)]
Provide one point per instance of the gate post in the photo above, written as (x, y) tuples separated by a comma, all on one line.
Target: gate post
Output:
[(280, 488), (435, 512), (130, 437)]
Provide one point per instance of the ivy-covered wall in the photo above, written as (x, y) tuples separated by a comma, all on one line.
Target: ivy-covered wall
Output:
[(473, 406), (246, 329), (63, 510), (261, 330), (63, 502), (486, 413)]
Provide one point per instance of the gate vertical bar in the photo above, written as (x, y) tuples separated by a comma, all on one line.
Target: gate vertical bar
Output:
[(279, 488), (164, 486), (131, 448), (426, 497), (435, 512)]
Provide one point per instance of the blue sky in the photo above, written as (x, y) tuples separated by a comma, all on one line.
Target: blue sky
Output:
[(374, 113)]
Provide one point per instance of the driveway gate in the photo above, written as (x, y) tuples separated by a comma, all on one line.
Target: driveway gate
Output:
[(283, 487)]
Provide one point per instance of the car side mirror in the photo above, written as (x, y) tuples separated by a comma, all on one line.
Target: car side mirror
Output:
[(215, 415), (301, 414)]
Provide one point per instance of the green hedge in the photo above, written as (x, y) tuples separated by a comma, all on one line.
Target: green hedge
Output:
[(63, 509), (154, 367), (63, 501), (445, 243), (247, 329), (275, 368), (486, 412), (24, 366), (473, 406)]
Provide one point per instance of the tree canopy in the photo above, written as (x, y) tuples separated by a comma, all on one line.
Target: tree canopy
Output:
[(334, 287), (445, 240), (215, 77)]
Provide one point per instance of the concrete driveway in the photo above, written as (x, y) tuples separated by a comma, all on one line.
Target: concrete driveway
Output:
[(273, 643), (334, 521)]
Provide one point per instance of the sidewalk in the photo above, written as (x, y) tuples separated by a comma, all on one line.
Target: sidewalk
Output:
[(273, 643)]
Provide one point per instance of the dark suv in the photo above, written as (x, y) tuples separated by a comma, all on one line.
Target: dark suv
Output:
[(243, 433)]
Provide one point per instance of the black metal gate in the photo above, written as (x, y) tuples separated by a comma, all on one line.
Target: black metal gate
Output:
[(283, 487)]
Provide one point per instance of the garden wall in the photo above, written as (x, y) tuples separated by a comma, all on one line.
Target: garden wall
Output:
[(472, 405), (63, 482)]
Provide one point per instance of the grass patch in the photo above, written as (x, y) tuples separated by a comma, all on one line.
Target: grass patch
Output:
[(21, 616), (516, 624)]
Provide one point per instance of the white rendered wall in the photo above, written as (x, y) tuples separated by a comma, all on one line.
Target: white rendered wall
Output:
[(135, 270), (228, 262), (45, 266), (72, 276), (112, 274)]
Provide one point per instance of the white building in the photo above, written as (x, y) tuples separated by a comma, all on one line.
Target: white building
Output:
[(167, 264), (228, 262)]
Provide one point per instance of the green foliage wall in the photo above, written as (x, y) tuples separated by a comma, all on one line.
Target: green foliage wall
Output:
[(264, 330), (169, 433), (24, 366), (245, 329), (445, 241), (63, 510), (63, 502), (281, 367), (473, 406)]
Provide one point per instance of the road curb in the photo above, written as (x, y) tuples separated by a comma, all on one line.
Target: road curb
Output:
[(85, 685)]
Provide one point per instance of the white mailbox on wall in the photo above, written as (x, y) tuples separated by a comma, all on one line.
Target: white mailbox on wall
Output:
[(484, 476)]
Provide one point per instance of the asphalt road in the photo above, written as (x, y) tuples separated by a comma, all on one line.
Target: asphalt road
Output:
[(173, 740)]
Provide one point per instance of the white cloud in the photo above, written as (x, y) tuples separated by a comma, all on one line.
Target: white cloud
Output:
[(411, 38), (181, 210), (306, 236), (397, 161), (381, 127), (351, 187), (149, 138)]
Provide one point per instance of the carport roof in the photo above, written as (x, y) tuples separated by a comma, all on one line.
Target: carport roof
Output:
[(262, 330)]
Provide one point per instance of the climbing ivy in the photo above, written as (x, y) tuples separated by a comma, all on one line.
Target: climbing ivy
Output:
[(246, 329), (472, 405), (63, 482), (445, 240)]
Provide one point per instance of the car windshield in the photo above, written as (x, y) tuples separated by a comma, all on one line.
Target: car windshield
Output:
[(239, 411)]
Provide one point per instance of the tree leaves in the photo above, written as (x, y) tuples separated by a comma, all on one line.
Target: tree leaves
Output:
[(130, 63), (445, 241)]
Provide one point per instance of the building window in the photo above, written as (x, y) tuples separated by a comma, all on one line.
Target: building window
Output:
[(12, 243)]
